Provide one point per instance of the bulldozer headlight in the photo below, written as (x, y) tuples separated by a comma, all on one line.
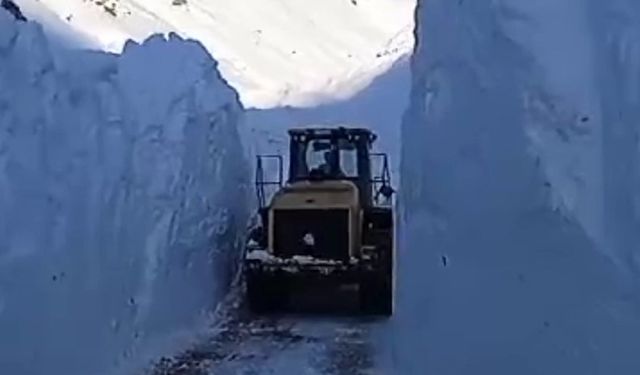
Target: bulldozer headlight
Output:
[(309, 240)]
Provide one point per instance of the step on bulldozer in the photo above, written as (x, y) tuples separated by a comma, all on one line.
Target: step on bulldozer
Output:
[(331, 222)]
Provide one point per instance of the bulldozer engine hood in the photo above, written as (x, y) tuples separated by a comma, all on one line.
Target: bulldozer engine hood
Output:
[(317, 194), (320, 216)]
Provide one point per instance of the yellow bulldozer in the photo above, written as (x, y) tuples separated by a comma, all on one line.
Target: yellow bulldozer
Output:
[(331, 222)]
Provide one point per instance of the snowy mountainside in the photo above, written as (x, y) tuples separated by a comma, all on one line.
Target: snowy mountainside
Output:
[(58, 31), (519, 225), (274, 52), (122, 193)]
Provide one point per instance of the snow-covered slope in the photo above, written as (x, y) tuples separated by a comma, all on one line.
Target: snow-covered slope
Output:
[(274, 52), (122, 191), (55, 28), (519, 245)]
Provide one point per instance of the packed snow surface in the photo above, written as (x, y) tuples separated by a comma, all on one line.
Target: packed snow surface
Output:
[(519, 240), (274, 52), (122, 192)]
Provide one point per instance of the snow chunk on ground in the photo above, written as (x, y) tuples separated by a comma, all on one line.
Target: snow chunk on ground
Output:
[(123, 191), (516, 246)]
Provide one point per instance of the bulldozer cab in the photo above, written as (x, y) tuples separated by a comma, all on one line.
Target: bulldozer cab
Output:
[(324, 154)]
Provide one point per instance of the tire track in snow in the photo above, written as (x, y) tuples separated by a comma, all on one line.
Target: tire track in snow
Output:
[(246, 344)]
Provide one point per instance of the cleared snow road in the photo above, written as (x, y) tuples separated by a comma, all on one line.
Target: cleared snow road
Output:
[(278, 344)]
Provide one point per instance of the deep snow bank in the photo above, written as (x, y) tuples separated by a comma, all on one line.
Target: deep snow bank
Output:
[(122, 190), (519, 167)]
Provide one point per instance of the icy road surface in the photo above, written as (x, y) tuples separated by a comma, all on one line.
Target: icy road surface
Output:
[(247, 344)]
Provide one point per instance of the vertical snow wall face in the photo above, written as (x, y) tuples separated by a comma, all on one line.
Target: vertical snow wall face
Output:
[(122, 192), (519, 244)]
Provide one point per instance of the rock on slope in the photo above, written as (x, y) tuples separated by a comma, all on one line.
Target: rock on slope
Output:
[(122, 191)]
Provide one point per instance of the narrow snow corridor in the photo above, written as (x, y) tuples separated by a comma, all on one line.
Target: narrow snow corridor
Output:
[(321, 345), (125, 184)]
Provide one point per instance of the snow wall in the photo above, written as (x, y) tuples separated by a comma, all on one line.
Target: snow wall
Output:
[(519, 250), (123, 188)]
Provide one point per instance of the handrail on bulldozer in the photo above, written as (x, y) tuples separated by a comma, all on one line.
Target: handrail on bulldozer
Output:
[(381, 183), (260, 183)]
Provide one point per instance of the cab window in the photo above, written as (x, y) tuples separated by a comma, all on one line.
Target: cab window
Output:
[(318, 154), (348, 158)]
